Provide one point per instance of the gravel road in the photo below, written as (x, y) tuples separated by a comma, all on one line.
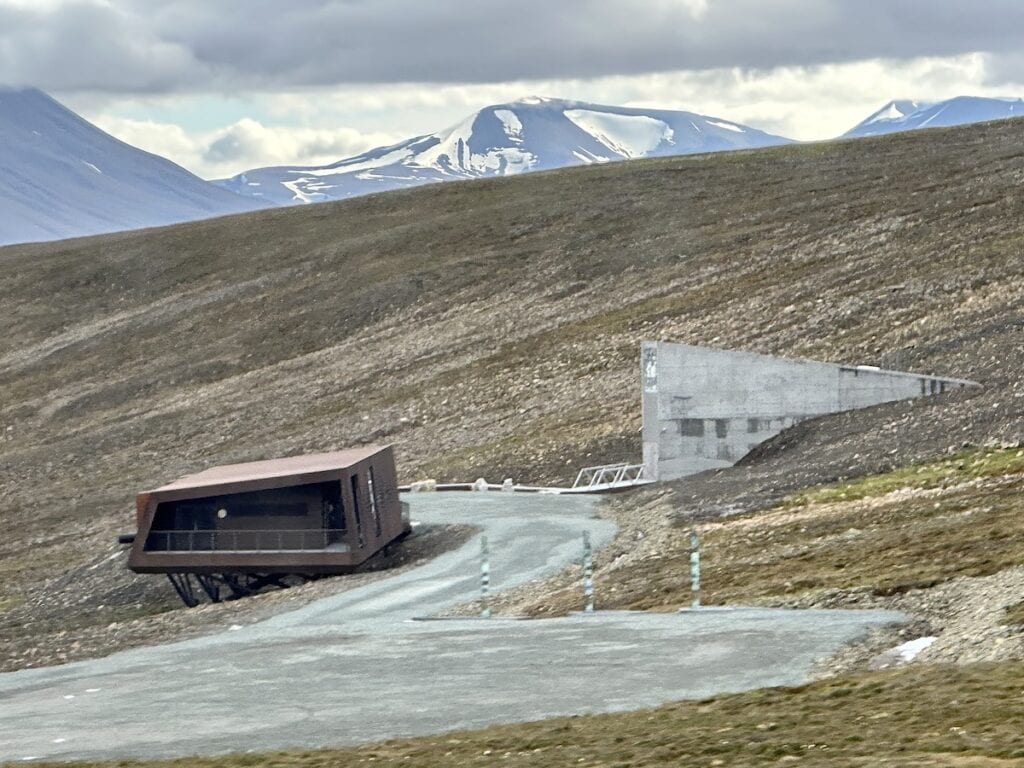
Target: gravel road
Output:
[(369, 664)]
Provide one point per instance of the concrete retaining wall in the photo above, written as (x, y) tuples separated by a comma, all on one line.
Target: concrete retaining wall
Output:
[(705, 408)]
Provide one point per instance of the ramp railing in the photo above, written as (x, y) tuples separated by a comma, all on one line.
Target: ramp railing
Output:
[(610, 476)]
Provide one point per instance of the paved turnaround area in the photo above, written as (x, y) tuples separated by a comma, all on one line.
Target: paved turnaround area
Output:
[(357, 667)]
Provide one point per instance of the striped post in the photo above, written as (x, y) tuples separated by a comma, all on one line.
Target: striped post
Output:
[(695, 568), (485, 578), (588, 575)]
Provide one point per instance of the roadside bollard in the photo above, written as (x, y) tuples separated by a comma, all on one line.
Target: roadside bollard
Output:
[(485, 579), (695, 568), (588, 575)]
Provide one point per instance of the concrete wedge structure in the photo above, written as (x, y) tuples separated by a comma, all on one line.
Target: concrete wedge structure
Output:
[(705, 408)]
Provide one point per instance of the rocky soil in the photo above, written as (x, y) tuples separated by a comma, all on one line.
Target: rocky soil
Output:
[(145, 611), (962, 610), (492, 329)]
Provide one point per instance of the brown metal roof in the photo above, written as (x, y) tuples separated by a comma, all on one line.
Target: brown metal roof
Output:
[(272, 468)]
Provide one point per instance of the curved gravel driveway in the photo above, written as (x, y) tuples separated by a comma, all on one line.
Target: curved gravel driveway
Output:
[(358, 667)]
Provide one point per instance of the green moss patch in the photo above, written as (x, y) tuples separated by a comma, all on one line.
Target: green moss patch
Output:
[(968, 465), (1014, 615)]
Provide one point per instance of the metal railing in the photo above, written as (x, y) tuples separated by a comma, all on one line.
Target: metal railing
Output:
[(285, 540), (610, 476)]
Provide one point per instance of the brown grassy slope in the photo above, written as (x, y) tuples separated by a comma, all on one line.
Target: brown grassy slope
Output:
[(967, 717), (883, 541), (491, 328)]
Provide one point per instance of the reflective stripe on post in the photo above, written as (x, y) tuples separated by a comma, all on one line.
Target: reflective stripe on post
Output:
[(588, 575), (485, 579), (695, 569)]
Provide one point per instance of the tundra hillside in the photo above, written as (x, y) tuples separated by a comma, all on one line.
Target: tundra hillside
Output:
[(491, 328)]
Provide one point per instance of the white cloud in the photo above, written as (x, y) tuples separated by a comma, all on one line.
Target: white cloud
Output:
[(243, 145), (806, 103), (813, 102), (809, 103)]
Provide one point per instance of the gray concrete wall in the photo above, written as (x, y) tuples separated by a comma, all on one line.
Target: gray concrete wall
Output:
[(705, 408)]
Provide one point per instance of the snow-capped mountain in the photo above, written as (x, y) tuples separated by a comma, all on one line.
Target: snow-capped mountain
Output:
[(61, 176), (529, 135), (909, 115)]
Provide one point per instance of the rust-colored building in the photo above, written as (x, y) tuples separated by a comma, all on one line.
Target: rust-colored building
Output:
[(244, 526)]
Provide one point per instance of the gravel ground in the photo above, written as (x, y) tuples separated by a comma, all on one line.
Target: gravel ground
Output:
[(964, 614), (492, 328), (35, 634)]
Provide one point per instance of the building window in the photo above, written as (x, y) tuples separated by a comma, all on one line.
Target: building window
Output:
[(374, 503), (691, 427), (357, 511)]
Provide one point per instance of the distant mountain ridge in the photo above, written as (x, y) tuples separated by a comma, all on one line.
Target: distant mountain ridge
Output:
[(61, 176), (905, 115), (531, 134)]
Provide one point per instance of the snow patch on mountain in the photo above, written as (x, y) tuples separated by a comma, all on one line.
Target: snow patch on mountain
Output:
[(908, 115), (393, 157), (894, 110), (531, 134), (626, 135), (513, 125), (727, 126)]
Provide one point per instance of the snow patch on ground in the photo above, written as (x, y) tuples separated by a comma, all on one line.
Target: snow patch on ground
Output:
[(93, 167), (908, 650), (626, 135)]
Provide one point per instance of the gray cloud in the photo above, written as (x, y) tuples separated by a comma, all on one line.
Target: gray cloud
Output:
[(1005, 70), (87, 46), (194, 45)]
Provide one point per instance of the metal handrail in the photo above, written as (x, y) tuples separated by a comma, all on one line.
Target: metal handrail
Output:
[(247, 540), (610, 475)]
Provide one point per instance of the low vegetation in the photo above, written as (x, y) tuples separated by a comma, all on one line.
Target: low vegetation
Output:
[(959, 515), (891, 533), (6, 603), (884, 534), (1014, 615), (967, 465), (492, 328), (488, 328)]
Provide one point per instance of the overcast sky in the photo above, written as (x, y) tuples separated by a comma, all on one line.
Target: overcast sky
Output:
[(227, 85)]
